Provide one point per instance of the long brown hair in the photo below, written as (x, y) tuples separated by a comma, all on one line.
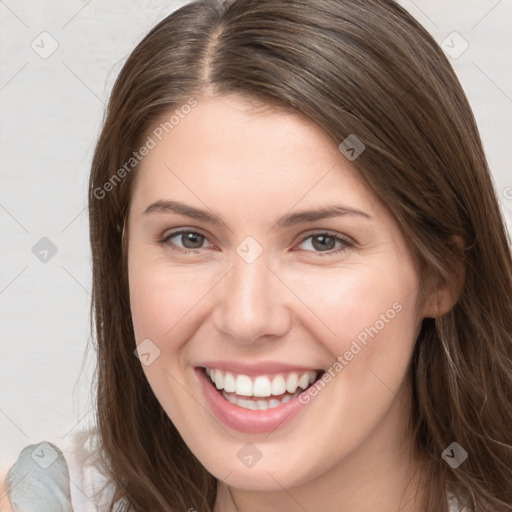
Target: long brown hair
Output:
[(354, 67)]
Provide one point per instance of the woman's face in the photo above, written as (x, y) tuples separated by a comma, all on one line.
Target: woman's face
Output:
[(266, 296)]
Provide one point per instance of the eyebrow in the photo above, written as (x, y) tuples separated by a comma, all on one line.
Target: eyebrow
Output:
[(163, 206)]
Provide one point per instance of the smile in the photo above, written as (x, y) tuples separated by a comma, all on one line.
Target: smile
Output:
[(258, 402), (282, 387)]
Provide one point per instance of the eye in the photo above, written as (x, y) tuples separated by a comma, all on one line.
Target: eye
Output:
[(319, 241), (326, 240), (191, 242)]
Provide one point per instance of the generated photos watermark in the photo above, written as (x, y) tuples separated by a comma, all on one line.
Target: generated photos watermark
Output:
[(151, 142), (355, 348)]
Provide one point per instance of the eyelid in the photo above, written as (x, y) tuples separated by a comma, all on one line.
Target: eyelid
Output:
[(328, 232)]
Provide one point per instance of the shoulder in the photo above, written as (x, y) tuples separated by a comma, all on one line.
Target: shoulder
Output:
[(68, 477)]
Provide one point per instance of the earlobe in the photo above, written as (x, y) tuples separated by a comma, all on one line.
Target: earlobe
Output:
[(440, 301), (442, 295)]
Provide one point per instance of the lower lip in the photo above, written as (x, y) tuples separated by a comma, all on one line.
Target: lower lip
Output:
[(246, 420)]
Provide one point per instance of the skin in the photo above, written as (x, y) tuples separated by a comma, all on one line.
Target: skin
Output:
[(5, 504), (350, 449)]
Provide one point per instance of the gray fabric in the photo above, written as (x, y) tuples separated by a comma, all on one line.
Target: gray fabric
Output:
[(39, 480)]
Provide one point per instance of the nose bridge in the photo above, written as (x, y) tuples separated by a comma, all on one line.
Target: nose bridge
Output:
[(250, 302)]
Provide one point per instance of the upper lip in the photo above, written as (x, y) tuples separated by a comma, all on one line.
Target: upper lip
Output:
[(259, 368)]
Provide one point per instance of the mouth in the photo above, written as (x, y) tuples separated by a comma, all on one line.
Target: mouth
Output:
[(260, 392)]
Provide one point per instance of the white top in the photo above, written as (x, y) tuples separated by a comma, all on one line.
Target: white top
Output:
[(454, 504), (90, 490)]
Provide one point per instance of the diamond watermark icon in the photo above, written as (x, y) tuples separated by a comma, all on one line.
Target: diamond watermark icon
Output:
[(249, 249), (147, 352), (44, 250), (44, 455), (454, 45), (454, 455), (249, 455), (352, 147), (44, 45)]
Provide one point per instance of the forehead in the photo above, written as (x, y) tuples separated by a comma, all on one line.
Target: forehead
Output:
[(236, 150)]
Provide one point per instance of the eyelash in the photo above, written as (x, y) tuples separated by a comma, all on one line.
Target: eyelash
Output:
[(346, 243)]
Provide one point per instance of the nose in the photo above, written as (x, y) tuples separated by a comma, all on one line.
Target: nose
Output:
[(252, 302)]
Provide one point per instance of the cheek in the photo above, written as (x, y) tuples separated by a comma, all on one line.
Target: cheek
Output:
[(160, 297), (366, 313)]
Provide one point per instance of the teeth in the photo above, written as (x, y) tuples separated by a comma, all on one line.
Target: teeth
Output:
[(304, 381), (278, 385), (258, 405), (229, 383), (262, 385), (292, 382), (218, 379), (243, 385)]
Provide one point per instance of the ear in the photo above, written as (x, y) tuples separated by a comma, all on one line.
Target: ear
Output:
[(442, 295)]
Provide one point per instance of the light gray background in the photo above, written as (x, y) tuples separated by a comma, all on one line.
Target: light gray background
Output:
[(50, 114)]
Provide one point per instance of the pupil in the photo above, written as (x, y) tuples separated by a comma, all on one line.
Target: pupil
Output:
[(322, 245), (193, 238), (198, 239)]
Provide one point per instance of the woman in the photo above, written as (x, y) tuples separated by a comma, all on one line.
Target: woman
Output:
[(294, 230)]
